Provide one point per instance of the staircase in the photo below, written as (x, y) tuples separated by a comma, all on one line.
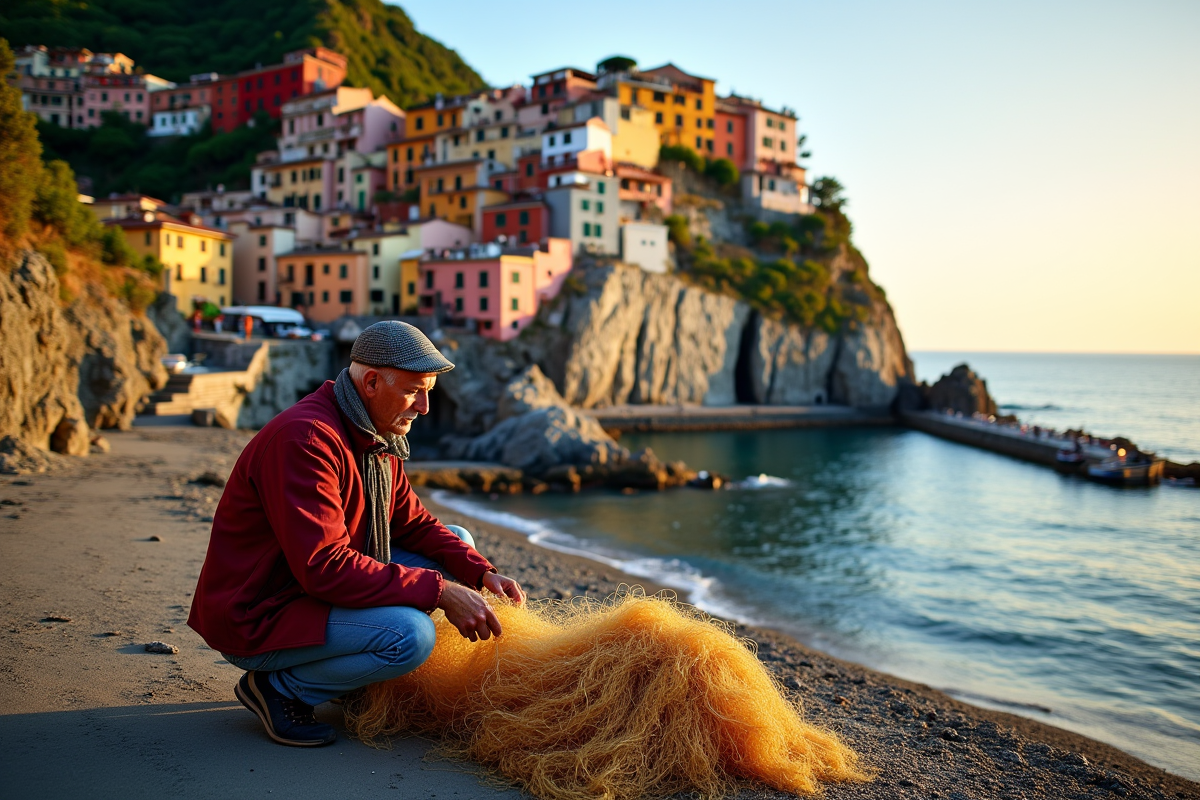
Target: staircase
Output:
[(183, 394)]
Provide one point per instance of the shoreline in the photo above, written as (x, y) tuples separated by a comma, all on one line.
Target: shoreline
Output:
[(794, 663), (99, 558)]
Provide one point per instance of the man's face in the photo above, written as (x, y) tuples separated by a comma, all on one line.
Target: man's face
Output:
[(394, 397)]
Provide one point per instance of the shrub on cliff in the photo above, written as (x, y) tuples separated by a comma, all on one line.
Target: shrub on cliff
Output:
[(723, 171), (20, 157), (683, 155)]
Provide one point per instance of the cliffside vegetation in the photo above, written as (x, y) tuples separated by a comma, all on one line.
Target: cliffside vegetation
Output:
[(806, 270), (39, 208), (176, 39)]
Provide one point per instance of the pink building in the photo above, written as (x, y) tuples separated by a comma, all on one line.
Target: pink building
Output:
[(497, 292), (330, 123)]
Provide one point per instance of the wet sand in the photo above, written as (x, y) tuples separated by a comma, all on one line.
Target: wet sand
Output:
[(111, 545)]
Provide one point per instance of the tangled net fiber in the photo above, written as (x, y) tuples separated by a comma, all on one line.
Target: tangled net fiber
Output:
[(634, 697)]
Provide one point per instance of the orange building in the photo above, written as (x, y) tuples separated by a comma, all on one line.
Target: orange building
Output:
[(684, 105), (458, 191), (404, 156), (324, 283)]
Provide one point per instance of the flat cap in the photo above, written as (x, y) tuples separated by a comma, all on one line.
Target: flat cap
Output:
[(392, 343)]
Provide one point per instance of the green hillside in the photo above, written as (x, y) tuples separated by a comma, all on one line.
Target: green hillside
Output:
[(178, 38)]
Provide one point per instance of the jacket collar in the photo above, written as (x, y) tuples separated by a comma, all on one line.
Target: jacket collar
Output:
[(360, 442)]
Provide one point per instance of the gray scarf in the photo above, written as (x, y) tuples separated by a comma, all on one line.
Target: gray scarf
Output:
[(376, 473)]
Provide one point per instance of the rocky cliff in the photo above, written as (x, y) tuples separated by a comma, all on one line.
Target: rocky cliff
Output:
[(65, 369), (627, 336)]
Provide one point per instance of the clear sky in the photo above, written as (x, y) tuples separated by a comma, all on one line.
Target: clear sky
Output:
[(1022, 176)]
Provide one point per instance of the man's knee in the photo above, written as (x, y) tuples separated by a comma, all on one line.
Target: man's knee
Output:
[(407, 639), (462, 533)]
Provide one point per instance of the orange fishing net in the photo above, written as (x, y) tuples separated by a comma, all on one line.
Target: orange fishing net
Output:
[(636, 697)]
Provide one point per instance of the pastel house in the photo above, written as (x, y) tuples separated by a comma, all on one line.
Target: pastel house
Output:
[(325, 283)]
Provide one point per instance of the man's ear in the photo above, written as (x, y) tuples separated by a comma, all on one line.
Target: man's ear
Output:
[(370, 382)]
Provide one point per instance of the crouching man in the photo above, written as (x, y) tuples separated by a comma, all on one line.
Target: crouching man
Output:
[(323, 564)]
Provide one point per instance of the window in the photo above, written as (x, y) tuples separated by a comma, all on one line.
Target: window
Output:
[(409, 154), (375, 252), (516, 277), (545, 106), (325, 267), (345, 296), (320, 120), (412, 287), (483, 279), (221, 276), (428, 280), (483, 304), (599, 206), (262, 240), (552, 141), (679, 120), (771, 184), (262, 264), (343, 270), (204, 274), (529, 170), (729, 126), (420, 124), (585, 204), (358, 178), (479, 135), (770, 122), (587, 229), (768, 141), (203, 246), (600, 187), (377, 295), (262, 291), (699, 123), (699, 104), (308, 274), (179, 272), (729, 148), (660, 97), (598, 233), (147, 237), (179, 241), (783, 145), (491, 154), (462, 201), (441, 184), (458, 181), (375, 272), (501, 221), (658, 118), (523, 218), (567, 137), (708, 145), (680, 100), (325, 296), (441, 120), (458, 304), (699, 142), (458, 280), (516, 306)]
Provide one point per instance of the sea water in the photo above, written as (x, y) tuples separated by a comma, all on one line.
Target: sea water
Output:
[(1000, 582)]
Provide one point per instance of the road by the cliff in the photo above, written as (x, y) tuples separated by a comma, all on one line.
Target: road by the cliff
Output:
[(100, 558)]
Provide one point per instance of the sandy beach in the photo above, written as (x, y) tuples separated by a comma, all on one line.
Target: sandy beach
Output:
[(99, 557)]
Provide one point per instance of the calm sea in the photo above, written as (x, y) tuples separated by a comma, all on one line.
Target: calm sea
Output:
[(998, 581)]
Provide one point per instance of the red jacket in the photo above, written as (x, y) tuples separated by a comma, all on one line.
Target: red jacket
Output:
[(288, 538)]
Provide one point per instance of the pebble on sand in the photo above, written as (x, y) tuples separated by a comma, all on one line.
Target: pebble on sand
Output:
[(162, 648)]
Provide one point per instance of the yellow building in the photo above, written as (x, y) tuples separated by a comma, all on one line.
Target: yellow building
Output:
[(684, 105), (458, 191), (410, 274), (198, 260), (503, 142), (307, 183)]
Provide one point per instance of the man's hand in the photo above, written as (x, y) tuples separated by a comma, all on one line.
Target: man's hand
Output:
[(469, 612), (498, 584)]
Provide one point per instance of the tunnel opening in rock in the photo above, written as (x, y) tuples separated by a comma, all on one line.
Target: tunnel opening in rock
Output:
[(428, 430), (743, 374)]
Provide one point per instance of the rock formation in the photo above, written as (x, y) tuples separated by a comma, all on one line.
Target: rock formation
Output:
[(636, 337), (67, 369), (961, 391)]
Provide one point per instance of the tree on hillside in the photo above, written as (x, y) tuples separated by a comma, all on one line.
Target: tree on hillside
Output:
[(616, 64), (20, 157), (178, 38), (827, 193)]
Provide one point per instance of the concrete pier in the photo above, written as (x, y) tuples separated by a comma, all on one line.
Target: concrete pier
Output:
[(644, 418), (1009, 440)]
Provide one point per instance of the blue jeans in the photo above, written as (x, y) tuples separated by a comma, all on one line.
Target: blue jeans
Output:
[(362, 646)]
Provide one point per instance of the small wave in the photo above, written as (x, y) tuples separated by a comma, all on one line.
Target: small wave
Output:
[(1019, 407), (983, 698), (762, 481), (696, 588)]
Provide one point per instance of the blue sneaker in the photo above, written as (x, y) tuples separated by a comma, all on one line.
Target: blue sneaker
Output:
[(287, 721)]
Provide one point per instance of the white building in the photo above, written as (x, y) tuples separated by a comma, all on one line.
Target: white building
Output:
[(255, 278), (562, 145), (179, 121), (645, 245)]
